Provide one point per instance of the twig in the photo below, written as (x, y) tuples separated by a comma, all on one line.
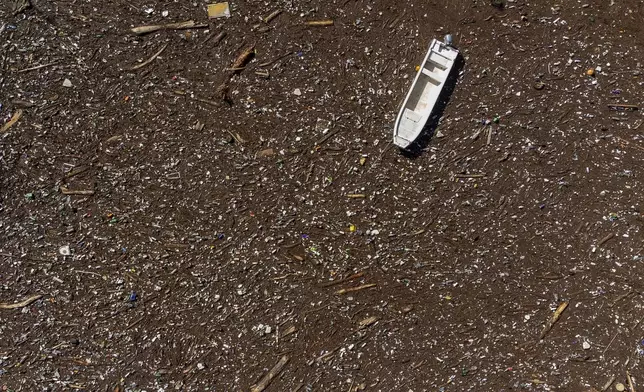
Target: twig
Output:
[(289, 331), (76, 172), (477, 133), (195, 362), (326, 355), (217, 39), (89, 273), (623, 107), (621, 297), (327, 137), (356, 195), (236, 136), (275, 60), (190, 24), (208, 101), (14, 119), (347, 279), (272, 16), (358, 288), (367, 322), (631, 386), (21, 304), (268, 377), (563, 115), (135, 322), (611, 342), (605, 239), (610, 382), (489, 137), (556, 315), (637, 324), (626, 142), (263, 74), (243, 58), (20, 6), (384, 151), (469, 175), (319, 23), (310, 172), (37, 67), (151, 59), (66, 191)]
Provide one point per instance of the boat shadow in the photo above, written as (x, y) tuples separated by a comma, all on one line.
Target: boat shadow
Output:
[(417, 148)]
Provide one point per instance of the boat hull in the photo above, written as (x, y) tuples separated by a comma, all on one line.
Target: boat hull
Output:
[(424, 93)]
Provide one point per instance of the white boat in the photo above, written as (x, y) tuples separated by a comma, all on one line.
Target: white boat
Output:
[(424, 93)]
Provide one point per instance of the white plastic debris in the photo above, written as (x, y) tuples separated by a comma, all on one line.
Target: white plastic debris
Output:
[(585, 345), (67, 83), (297, 92), (65, 250)]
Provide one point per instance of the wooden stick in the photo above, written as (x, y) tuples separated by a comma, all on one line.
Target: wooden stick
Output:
[(557, 314), (190, 24), (347, 279), (623, 107), (327, 137), (217, 39), (37, 67), (14, 119), (272, 16), (352, 289), (609, 343), (621, 297), (605, 239), (610, 382), (478, 133), (289, 331), (236, 136), (21, 304), (243, 58), (631, 386), (268, 377), (76, 172), (66, 191), (469, 175), (266, 64), (151, 59), (356, 195), (563, 115), (320, 23), (208, 101)]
